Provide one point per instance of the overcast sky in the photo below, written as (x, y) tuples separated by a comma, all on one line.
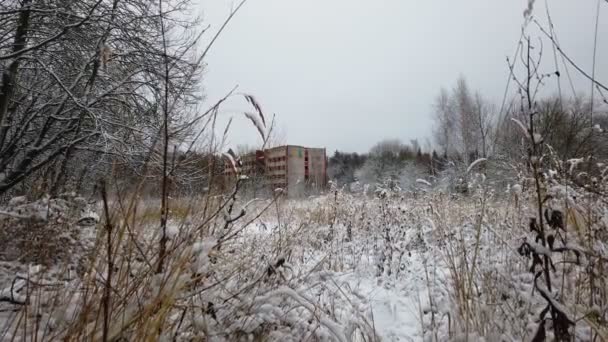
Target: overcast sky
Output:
[(344, 74)]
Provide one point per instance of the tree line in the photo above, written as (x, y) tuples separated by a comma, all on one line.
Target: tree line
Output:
[(390, 162), (467, 127)]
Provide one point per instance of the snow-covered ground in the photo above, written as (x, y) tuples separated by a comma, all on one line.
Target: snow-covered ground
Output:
[(322, 259), (395, 308), (328, 268), (396, 302)]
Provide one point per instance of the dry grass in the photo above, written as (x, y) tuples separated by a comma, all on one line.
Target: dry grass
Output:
[(214, 283), (252, 276)]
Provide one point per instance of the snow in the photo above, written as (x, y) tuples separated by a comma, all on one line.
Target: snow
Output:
[(356, 296), (257, 122), (12, 294), (203, 247), (393, 307), (552, 173), (337, 267), (560, 191), (390, 304), (557, 305), (574, 163), (423, 181), (88, 218), (597, 128), (172, 231), (13, 215), (15, 201), (517, 189), (475, 163)]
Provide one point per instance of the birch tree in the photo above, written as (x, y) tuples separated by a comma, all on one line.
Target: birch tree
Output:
[(463, 122)]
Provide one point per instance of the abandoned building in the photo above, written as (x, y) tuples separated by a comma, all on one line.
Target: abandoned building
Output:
[(297, 170)]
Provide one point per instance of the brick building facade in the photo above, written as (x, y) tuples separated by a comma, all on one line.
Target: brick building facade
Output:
[(296, 169)]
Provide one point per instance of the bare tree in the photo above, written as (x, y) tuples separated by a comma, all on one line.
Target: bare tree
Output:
[(388, 147), (87, 77), (466, 118), (463, 122), (444, 121), (483, 111)]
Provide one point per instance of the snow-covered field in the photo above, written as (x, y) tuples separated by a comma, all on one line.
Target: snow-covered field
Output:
[(343, 267)]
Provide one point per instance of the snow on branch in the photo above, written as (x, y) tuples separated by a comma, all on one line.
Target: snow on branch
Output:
[(475, 163)]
